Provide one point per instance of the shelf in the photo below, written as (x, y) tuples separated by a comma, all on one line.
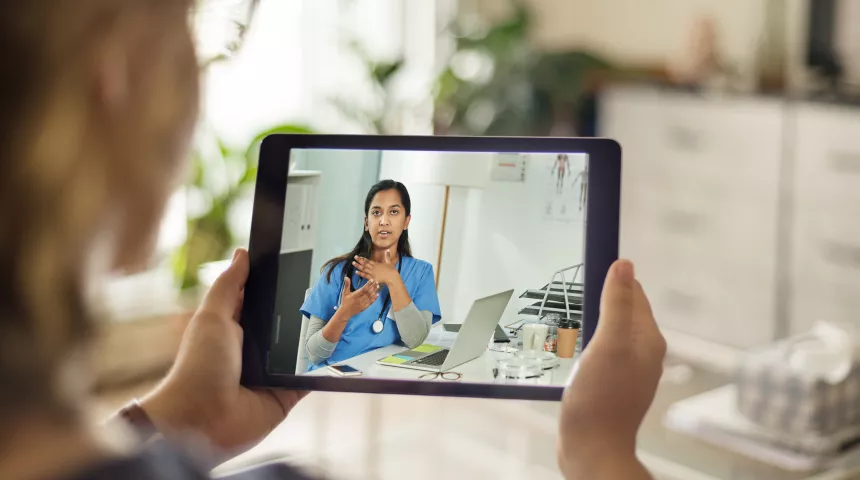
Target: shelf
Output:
[(532, 310), (572, 297), (571, 287)]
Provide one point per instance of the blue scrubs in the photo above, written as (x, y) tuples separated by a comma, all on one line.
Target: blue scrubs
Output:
[(358, 336)]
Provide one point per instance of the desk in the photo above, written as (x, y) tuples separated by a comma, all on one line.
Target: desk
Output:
[(479, 370)]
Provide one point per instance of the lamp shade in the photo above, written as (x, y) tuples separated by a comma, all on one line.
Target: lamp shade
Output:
[(454, 169)]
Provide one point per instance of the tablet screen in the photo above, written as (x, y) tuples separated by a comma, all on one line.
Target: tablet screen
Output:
[(381, 249)]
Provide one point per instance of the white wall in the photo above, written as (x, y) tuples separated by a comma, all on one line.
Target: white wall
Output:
[(505, 242), (346, 178), (496, 237), (427, 201), (654, 32)]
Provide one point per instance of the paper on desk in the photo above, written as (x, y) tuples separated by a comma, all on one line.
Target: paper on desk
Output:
[(395, 359), (440, 337)]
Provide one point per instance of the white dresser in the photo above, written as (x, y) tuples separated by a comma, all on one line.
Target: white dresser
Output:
[(825, 240), (742, 213), (699, 207)]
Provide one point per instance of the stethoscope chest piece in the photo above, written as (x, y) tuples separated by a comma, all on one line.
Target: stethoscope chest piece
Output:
[(377, 326)]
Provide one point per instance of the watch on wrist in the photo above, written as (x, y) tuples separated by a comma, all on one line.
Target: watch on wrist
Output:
[(136, 416)]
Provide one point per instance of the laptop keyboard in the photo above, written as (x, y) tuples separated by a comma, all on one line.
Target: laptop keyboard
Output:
[(433, 360)]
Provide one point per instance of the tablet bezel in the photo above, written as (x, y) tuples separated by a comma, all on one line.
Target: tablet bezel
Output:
[(601, 249)]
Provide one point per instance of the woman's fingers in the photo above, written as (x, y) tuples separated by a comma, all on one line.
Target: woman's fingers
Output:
[(369, 278), (364, 262), (368, 299), (363, 267), (372, 293), (364, 289), (368, 289)]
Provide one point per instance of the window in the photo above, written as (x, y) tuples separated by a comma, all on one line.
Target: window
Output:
[(295, 60)]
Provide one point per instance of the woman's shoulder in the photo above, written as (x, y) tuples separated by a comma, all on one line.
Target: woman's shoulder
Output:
[(419, 265), (332, 270)]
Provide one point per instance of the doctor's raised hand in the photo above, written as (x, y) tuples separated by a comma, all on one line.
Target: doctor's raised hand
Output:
[(353, 303), (384, 273)]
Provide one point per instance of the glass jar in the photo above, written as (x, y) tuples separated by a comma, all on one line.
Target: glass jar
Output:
[(551, 342)]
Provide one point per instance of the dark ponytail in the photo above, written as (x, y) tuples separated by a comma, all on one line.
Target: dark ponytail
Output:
[(364, 247)]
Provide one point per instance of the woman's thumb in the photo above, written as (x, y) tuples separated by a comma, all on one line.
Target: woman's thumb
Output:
[(388, 256), (224, 295), (618, 298)]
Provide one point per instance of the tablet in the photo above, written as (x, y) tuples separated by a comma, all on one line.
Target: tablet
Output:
[(363, 247)]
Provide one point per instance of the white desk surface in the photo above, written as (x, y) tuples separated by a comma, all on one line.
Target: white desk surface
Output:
[(479, 370)]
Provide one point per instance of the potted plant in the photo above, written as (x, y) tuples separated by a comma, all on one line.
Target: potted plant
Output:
[(221, 176), (497, 83), (221, 179)]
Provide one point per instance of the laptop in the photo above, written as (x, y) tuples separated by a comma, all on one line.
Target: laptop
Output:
[(471, 342)]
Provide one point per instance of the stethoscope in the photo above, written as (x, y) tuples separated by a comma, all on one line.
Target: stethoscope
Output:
[(378, 325)]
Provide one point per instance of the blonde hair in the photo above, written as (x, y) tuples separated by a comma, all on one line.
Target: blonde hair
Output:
[(74, 168)]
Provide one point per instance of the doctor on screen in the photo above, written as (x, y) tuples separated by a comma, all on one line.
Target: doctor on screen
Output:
[(375, 295)]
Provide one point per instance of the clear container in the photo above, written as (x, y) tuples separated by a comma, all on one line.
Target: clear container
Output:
[(547, 360), (518, 371)]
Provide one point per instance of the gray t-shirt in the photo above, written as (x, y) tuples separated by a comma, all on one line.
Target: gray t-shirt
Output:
[(161, 461)]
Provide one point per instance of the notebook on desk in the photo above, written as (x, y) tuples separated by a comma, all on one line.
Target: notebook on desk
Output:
[(471, 341)]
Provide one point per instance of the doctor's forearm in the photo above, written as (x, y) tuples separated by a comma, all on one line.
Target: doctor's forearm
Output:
[(333, 329), (317, 347), (400, 298), (413, 325)]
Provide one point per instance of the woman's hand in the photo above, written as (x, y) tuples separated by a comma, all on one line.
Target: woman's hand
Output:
[(353, 303), (383, 273), (614, 385), (201, 394)]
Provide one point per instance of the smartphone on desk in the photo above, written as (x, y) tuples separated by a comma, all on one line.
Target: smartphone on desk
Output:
[(344, 370)]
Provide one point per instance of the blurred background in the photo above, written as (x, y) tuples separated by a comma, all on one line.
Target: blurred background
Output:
[(739, 122)]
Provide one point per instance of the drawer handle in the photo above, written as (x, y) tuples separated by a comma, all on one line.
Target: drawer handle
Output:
[(841, 254), (680, 221), (845, 162), (680, 301), (685, 138)]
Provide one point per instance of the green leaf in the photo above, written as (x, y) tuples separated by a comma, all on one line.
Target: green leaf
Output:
[(383, 72), (252, 153), (209, 236), (358, 115)]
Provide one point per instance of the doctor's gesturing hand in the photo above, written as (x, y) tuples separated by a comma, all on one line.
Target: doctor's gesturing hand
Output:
[(384, 273), (353, 303)]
